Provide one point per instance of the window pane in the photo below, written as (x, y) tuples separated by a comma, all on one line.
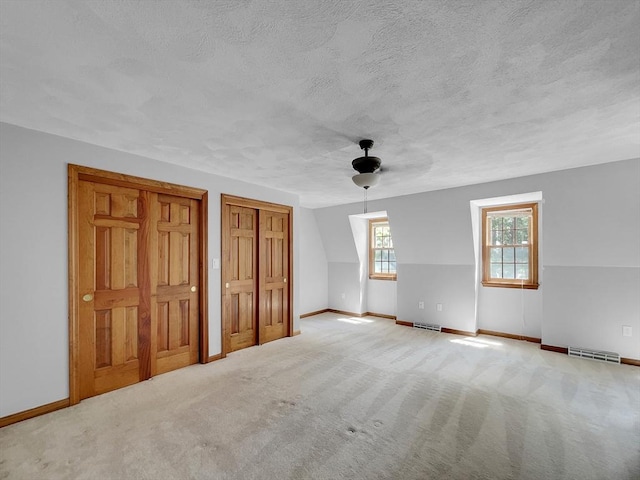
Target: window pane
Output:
[(522, 272), (522, 236), (496, 237), (378, 268), (378, 242), (496, 223), (522, 222), (508, 255), (508, 223), (378, 255), (392, 255), (496, 255), (507, 237), (508, 270), (385, 255), (385, 242), (392, 267), (496, 270), (522, 255)]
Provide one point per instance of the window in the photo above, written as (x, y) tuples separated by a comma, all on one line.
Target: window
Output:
[(382, 257), (510, 246)]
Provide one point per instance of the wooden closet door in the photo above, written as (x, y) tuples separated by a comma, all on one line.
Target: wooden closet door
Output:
[(112, 285), (175, 282), (240, 293), (137, 279), (274, 271)]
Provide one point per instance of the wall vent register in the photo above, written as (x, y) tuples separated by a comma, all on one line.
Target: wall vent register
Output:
[(427, 326), (607, 357)]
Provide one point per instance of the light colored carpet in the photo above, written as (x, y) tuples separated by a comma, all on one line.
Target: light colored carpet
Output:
[(350, 398)]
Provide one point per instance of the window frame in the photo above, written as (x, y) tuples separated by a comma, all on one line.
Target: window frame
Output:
[(373, 222), (487, 280)]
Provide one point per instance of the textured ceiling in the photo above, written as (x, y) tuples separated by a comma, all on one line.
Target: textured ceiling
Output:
[(279, 92)]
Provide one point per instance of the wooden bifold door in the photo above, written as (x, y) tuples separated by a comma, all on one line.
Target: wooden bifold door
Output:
[(135, 280), (256, 272)]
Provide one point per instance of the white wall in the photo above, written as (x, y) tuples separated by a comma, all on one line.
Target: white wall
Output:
[(381, 296), (313, 271), (431, 234), (344, 287), (452, 286), (335, 231), (511, 310), (591, 256), (587, 307), (343, 264), (33, 254), (359, 228)]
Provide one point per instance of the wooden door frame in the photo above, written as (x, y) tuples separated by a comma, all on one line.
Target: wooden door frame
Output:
[(76, 173), (228, 200)]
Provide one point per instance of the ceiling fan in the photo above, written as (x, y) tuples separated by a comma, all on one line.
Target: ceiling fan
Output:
[(368, 168)]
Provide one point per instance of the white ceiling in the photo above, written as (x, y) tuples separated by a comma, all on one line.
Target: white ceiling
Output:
[(279, 92)]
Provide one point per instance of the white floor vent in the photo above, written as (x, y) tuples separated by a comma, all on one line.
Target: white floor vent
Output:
[(608, 357), (427, 326)]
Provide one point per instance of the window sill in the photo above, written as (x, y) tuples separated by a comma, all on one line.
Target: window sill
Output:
[(525, 286), (383, 277)]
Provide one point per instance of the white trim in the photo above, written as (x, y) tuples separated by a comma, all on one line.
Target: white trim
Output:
[(381, 213)]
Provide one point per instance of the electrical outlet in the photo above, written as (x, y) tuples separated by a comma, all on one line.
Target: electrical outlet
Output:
[(626, 330), (215, 263), (421, 305), (438, 307)]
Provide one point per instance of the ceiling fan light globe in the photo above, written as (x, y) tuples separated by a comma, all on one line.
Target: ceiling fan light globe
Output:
[(366, 180)]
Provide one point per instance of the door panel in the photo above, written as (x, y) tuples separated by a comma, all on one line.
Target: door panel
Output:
[(109, 231), (274, 268), (241, 272), (175, 288)]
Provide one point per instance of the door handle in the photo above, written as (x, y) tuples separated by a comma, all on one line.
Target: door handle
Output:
[(193, 289), (87, 298), (226, 285), (285, 279)]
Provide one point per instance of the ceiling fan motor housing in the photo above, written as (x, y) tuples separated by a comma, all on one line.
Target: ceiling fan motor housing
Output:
[(366, 164)]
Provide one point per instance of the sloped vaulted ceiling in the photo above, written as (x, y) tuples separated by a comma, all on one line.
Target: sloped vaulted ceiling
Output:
[(279, 92)]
